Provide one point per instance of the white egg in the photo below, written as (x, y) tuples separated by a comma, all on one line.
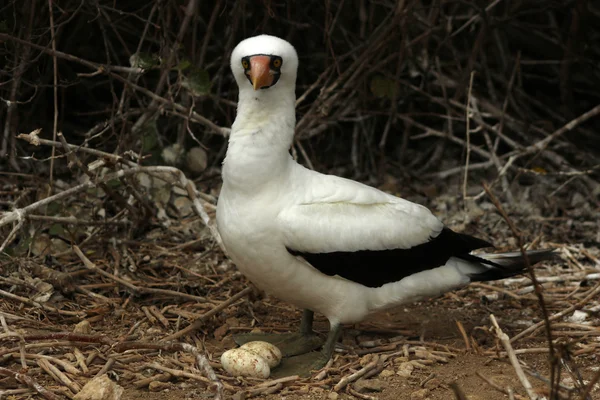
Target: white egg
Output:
[(242, 362), (266, 350)]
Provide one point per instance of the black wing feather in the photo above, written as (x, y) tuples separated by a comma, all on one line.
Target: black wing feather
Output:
[(376, 268)]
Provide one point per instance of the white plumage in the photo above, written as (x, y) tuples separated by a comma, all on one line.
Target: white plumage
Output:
[(273, 212)]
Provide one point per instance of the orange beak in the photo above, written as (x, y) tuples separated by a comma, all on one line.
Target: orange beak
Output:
[(260, 72)]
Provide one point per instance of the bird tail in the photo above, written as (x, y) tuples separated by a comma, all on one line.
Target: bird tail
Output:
[(493, 266)]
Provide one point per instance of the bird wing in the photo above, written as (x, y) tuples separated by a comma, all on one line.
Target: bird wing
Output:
[(336, 214), (342, 227)]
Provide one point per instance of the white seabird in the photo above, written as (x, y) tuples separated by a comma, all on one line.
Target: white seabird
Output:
[(321, 242)]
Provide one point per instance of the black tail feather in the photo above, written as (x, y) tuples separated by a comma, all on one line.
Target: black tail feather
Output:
[(504, 265)]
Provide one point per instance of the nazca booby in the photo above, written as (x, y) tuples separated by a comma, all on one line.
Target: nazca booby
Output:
[(321, 242)]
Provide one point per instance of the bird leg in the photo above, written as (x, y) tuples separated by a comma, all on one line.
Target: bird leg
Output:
[(290, 344), (303, 364)]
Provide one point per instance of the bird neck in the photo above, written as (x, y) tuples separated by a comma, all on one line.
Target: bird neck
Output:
[(261, 136), (261, 110)]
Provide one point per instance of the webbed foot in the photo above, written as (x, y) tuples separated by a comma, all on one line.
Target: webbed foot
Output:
[(301, 365)]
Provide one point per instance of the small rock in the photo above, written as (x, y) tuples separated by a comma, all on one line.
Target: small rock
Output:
[(419, 394), (239, 396), (157, 386), (172, 154), (432, 383), (41, 245), (100, 388), (179, 191), (221, 331), (405, 369), (368, 385), (83, 327), (367, 359), (333, 396), (144, 180), (578, 317), (386, 373), (196, 159), (183, 206), (154, 331), (303, 389), (577, 199), (59, 246)]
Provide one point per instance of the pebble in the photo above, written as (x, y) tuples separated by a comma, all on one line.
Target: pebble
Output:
[(420, 394), (83, 327), (405, 369), (333, 396), (386, 373), (100, 388), (432, 383), (157, 386), (368, 385)]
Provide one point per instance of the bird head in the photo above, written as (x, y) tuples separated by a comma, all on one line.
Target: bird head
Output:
[(264, 63)]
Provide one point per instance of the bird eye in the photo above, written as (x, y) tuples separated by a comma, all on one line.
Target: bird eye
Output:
[(277, 62), (245, 64)]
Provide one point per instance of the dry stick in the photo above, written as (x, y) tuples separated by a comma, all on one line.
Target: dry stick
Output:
[(208, 33), (75, 221), (80, 360), (536, 284), (184, 374), (124, 346), (58, 375), (543, 144), (458, 393), (55, 85), (111, 70), (499, 388), (201, 360), (359, 395), (21, 341), (106, 367), (353, 377), (73, 159), (146, 381), (40, 305), (513, 359), (496, 289), (204, 365), (15, 215), (14, 230), (189, 12), (33, 139), (136, 289), (593, 293), (590, 386), (27, 380), (199, 322), (463, 333), (468, 156)]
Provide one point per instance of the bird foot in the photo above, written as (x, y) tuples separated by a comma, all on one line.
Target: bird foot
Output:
[(301, 365), (290, 344)]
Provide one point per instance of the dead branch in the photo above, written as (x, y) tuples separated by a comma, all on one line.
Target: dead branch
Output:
[(27, 380), (503, 337)]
